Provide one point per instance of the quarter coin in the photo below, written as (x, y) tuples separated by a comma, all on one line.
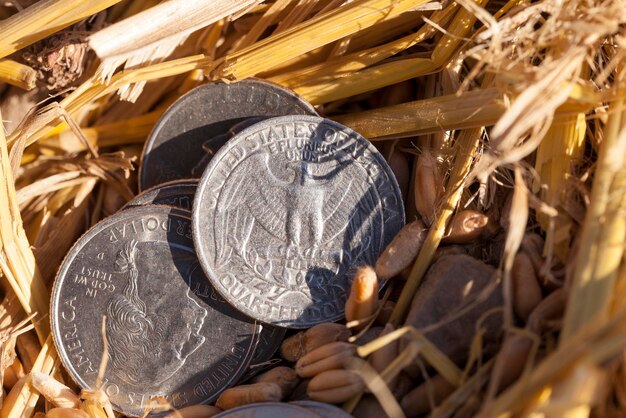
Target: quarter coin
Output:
[(168, 334), (174, 147), (286, 210), (180, 193)]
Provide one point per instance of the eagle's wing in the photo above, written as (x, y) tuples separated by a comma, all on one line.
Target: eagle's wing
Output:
[(340, 210), (251, 194), (335, 215), (361, 238), (269, 204)]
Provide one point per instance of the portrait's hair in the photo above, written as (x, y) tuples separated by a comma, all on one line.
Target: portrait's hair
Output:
[(132, 335)]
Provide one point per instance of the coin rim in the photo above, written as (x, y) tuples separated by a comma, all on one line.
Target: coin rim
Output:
[(333, 409), (181, 102), (196, 211), (55, 296), (288, 405), (169, 184)]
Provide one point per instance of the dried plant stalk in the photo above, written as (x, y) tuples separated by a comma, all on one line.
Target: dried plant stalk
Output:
[(91, 90), (595, 342), (461, 395), (518, 218), (130, 131), (471, 109), (560, 150), (428, 350), (378, 387), (25, 404), (268, 19), (362, 59), (169, 18), (310, 35), (603, 232), (466, 147), (153, 34), (17, 261), (296, 15), (43, 19), (366, 80), (54, 391), (574, 395), (17, 74), (395, 71)]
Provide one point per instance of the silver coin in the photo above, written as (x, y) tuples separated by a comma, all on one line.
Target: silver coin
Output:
[(174, 146), (286, 210), (180, 193), (167, 332), (323, 409), (268, 410), (177, 193)]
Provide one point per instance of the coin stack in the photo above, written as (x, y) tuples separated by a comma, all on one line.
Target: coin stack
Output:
[(253, 216)]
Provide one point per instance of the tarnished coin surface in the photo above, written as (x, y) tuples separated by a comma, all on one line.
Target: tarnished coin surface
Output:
[(286, 210), (268, 410), (323, 409), (177, 193), (167, 332), (174, 147)]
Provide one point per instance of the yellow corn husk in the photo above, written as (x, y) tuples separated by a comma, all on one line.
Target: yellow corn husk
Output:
[(560, 150), (362, 59), (44, 18), (310, 35), (17, 262), (17, 74), (603, 232)]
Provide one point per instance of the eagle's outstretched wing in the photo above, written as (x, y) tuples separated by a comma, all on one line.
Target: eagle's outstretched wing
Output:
[(335, 213), (364, 237), (251, 194), (352, 205)]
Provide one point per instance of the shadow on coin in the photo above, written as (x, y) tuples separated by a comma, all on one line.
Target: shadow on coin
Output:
[(355, 236), (201, 318), (201, 286), (354, 241), (175, 158)]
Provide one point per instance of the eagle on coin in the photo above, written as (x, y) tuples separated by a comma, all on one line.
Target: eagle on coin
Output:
[(302, 206)]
